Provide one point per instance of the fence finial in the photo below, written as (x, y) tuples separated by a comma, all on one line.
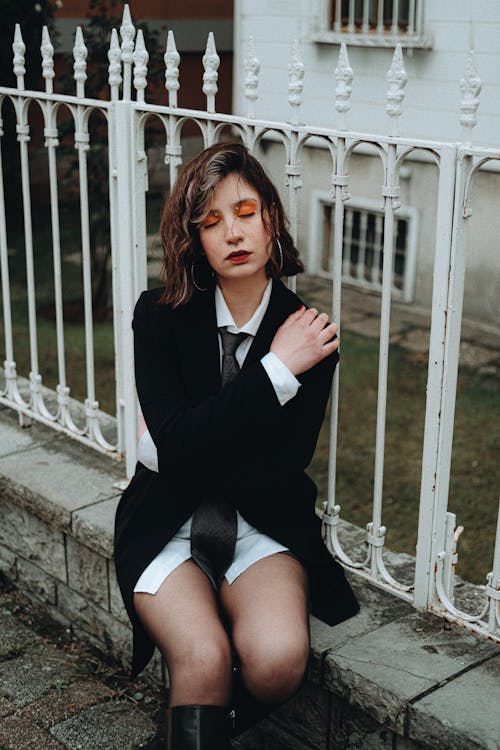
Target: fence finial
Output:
[(19, 48), (211, 61), (343, 90), (115, 65), (172, 60), (47, 51), (80, 64), (252, 69), (141, 58), (296, 72), (470, 87), (397, 79), (127, 33)]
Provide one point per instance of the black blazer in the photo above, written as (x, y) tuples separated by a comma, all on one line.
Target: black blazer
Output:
[(211, 440)]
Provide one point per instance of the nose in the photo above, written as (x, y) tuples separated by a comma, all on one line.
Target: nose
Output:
[(232, 230)]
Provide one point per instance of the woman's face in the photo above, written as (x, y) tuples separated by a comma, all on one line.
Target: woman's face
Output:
[(232, 233)]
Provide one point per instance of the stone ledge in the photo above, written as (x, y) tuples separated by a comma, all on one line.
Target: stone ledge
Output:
[(390, 677)]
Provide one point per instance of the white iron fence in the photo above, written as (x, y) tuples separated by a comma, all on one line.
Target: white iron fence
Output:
[(126, 119)]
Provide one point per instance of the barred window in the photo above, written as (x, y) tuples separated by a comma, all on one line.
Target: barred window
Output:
[(363, 246), (382, 16), (373, 22)]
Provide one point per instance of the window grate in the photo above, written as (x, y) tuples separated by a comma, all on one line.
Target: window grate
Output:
[(372, 23), (380, 16), (363, 246)]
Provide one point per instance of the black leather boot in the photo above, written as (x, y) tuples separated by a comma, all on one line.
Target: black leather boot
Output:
[(248, 711), (199, 728)]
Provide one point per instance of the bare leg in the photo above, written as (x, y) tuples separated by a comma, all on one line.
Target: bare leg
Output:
[(183, 619), (267, 608)]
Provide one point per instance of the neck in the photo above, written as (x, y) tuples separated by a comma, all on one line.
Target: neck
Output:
[(242, 297)]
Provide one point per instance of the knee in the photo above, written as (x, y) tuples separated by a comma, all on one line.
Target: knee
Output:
[(273, 671), (204, 662)]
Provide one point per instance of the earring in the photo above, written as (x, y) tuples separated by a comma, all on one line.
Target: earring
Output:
[(196, 286), (281, 255)]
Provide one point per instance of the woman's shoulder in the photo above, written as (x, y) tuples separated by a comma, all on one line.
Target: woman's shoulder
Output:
[(150, 308), (284, 296), (149, 297), (150, 303)]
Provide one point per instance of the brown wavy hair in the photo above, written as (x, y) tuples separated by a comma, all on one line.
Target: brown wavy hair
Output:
[(185, 266)]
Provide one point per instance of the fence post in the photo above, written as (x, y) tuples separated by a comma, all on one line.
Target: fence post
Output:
[(121, 147), (449, 276)]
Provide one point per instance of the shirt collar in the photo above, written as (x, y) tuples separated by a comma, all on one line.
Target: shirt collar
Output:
[(224, 317)]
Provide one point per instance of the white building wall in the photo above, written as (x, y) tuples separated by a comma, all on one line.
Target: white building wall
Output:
[(431, 106), (431, 110)]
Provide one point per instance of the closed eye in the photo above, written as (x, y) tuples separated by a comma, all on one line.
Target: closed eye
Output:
[(210, 221), (246, 208)]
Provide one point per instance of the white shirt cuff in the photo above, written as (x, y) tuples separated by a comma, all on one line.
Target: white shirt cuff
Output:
[(146, 452), (285, 384)]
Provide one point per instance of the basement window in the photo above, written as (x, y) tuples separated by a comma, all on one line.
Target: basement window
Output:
[(363, 245)]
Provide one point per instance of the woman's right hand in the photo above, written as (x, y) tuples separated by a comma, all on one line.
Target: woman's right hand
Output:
[(304, 339)]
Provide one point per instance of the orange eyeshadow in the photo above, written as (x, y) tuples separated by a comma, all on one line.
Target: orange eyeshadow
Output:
[(246, 207), (210, 219)]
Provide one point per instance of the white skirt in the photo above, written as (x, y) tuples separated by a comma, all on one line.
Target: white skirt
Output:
[(251, 546)]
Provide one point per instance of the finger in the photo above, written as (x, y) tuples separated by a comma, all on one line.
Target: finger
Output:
[(296, 315), (328, 332), (326, 337), (320, 322), (309, 315), (330, 347)]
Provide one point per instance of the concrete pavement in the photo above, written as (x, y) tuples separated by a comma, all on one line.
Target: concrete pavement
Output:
[(56, 693)]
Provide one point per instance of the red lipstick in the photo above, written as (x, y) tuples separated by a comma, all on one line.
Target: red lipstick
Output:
[(238, 256)]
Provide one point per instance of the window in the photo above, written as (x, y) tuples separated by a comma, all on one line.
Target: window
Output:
[(363, 245), (373, 22)]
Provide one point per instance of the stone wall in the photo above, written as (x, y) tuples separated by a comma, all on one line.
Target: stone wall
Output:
[(390, 677), (57, 507)]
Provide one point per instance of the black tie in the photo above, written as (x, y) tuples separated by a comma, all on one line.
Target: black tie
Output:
[(214, 525)]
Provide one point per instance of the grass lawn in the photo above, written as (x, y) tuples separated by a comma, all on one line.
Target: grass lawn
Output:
[(46, 329), (475, 478)]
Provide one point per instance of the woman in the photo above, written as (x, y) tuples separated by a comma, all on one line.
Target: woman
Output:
[(218, 549)]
